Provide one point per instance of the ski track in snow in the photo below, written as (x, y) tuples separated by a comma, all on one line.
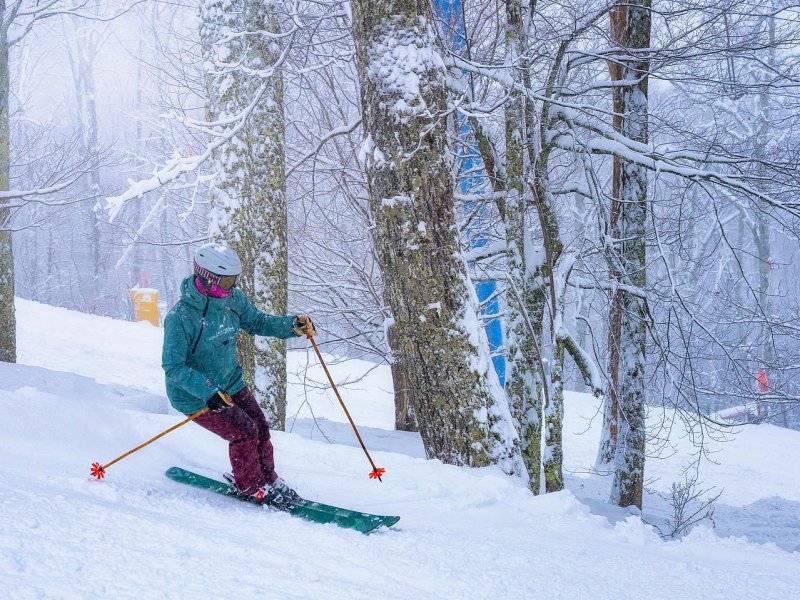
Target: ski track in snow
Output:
[(463, 534)]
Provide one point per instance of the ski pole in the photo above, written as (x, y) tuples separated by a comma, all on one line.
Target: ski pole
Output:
[(99, 471), (376, 471)]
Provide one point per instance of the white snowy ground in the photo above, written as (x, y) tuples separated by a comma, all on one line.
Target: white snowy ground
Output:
[(89, 388)]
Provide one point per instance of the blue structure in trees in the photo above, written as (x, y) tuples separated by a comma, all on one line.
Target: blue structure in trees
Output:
[(473, 181)]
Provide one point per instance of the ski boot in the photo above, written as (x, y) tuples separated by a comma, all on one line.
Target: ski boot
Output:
[(279, 487), (276, 495)]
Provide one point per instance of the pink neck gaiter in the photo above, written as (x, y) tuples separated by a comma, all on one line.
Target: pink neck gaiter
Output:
[(215, 292)]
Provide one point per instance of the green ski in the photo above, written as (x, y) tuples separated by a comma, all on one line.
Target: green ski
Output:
[(306, 509)]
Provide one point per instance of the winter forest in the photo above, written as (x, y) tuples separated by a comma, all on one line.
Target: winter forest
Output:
[(501, 202)]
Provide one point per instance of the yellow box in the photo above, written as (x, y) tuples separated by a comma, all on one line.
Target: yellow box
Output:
[(145, 305)]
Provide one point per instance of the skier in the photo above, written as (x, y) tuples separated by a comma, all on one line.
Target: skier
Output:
[(202, 369)]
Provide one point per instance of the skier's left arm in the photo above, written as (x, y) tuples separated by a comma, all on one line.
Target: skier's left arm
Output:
[(256, 322)]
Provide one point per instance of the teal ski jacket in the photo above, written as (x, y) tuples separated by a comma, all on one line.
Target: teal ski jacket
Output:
[(199, 354)]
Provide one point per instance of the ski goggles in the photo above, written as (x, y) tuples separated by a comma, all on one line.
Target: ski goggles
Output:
[(228, 282)]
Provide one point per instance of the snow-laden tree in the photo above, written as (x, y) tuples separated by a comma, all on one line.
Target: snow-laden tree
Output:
[(587, 245), (543, 239), (242, 45), (524, 372), (18, 18), (627, 253), (8, 325), (732, 272), (462, 411), (84, 41)]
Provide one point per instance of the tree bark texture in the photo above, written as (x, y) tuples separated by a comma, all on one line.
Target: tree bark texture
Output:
[(548, 289), (523, 374), (404, 417), (8, 323), (545, 293), (462, 412), (630, 29)]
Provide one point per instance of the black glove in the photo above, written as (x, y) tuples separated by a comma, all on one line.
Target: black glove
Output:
[(219, 401), (303, 325)]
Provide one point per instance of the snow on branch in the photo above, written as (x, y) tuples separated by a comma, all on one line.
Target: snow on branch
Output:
[(652, 159), (67, 172), (585, 362), (489, 250), (27, 13), (221, 131), (608, 141), (5, 196), (343, 130), (609, 287), (180, 165)]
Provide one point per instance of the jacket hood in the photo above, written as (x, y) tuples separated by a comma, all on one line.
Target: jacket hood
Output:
[(190, 295)]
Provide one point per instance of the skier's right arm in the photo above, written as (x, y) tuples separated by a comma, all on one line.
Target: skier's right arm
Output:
[(173, 359)]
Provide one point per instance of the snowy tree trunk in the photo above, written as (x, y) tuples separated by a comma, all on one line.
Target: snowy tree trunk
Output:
[(8, 323), (82, 55), (630, 29), (547, 281), (536, 392), (608, 439), (137, 254), (546, 293), (581, 310), (523, 375), (249, 198), (404, 417), (97, 215), (553, 461), (766, 344), (762, 233), (462, 412)]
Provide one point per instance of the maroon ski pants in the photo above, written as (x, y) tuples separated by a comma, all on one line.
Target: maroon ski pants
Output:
[(246, 429)]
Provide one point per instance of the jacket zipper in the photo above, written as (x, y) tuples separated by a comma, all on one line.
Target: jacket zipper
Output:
[(202, 324)]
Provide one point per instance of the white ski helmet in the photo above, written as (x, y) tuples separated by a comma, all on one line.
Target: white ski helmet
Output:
[(214, 262)]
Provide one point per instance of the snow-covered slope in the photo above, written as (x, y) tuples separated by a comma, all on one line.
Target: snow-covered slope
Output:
[(463, 534), (112, 351)]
